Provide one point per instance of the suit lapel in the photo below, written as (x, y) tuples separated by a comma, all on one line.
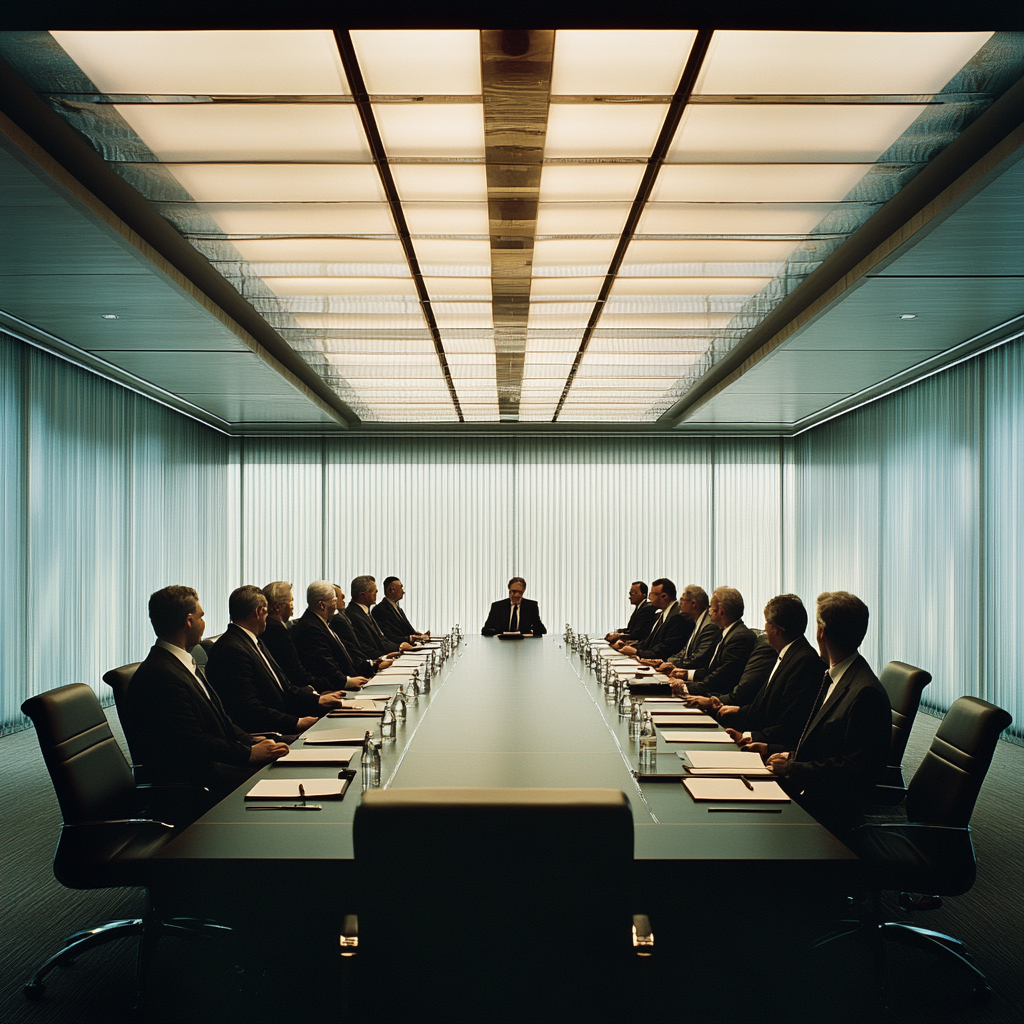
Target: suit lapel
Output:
[(837, 694)]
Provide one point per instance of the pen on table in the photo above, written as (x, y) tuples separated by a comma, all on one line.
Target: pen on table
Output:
[(302, 793), (746, 782)]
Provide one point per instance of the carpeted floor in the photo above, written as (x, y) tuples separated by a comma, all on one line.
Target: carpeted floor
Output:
[(38, 913)]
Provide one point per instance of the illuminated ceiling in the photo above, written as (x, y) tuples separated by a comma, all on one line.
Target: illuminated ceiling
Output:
[(553, 226)]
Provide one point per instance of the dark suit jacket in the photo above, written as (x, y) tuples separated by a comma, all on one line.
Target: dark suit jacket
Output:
[(727, 663), (529, 618), (669, 634), (393, 623), (323, 652), (641, 622), (372, 641), (278, 639), (778, 712), (755, 674), (251, 695), (180, 734), (844, 749), (346, 634), (698, 649)]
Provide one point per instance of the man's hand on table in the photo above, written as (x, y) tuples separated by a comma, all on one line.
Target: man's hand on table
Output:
[(757, 748), (779, 764), (264, 751)]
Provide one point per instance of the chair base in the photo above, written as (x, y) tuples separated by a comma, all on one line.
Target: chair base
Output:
[(148, 929), (951, 950)]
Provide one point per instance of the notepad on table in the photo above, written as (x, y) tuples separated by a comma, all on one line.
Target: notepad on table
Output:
[(735, 791), (702, 721), (729, 760), (288, 789), (367, 704), (693, 736), (338, 737), (737, 772), (334, 755)]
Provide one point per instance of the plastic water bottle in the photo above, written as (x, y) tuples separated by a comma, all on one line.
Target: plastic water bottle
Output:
[(370, 763), (625, 707), (387, 723), (398, 703), (648, 743), (635, 721)]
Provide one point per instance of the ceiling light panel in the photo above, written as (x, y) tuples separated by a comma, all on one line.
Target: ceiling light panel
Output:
[(634, 62), (417, 62), (565, 183), (731, 218), (301, 218), (643, 251), (462, 314), (584, 253), (359, 321), (454, 252), (755, 183), (254, 63), (688, 285), (249, 131), (798, 133), (321, 250), (466, 183), (341, 285), (447, 218), (566, 288), (454, 289), (581, 218), (835, 63), (665, 321), (431, 130), (280, 183), (619, 130)]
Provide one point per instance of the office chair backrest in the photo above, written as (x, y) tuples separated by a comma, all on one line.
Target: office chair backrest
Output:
[(904, 685), (87, 767), (945, 787), (512, 903)]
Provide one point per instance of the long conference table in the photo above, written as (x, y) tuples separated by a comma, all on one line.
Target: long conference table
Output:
[(508, 714)]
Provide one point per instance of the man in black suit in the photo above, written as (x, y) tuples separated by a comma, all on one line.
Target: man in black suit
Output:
[(372, 641), (842, 750), (320, 649), (278, 638), (731, 654), (641, 622), (347, 635), (693, 603), (515, 614), (778, 710), (755, 674), (669, 632), (176, 720), (392, 619), (256, 692)]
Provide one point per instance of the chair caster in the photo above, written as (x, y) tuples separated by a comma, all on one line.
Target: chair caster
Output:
[(34, 991), (908, 901), (981, 993)]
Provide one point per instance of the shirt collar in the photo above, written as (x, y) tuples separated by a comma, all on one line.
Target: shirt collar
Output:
[(837, 671), (782, 653), (180, 653), (249, 633)]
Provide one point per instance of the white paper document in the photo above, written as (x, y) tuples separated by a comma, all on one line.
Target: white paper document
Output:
[(328, 755), (338, 737), (288, 789), (735, 791), (694, 736), (752, 772), (703, 721), (732, 760)]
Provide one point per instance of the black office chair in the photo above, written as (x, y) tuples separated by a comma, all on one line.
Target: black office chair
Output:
[(496, 904), (932, 852), (102, 843), (904, 684)]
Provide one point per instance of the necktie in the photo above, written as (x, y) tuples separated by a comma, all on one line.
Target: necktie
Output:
[(819, 700), (201, 679), (513, 624)]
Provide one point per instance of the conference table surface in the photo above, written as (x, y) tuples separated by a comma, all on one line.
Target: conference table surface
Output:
[(524, 713)]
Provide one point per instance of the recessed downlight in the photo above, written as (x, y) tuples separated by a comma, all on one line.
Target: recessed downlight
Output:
[(908, 316), (108, 316)]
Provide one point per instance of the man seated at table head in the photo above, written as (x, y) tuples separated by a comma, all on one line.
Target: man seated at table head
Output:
[(773, 699), (842, 750), (731, 653), (669, 632), (515, 613), (372, 641), (177, 723), (254, 688), (391, 617), (641, 621), (704, 637), (320, 649)]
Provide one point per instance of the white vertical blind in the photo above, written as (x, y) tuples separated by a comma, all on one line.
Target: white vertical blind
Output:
[(913, 503)]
